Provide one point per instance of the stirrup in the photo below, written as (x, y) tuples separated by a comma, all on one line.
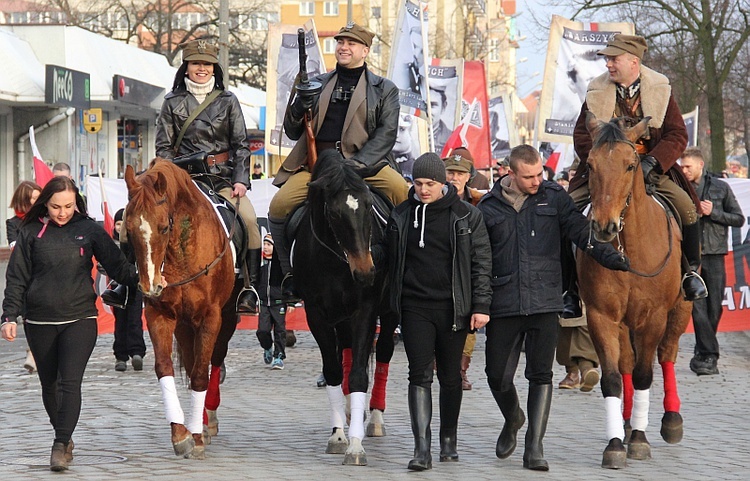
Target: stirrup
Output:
[(697, 292), (249, 309)]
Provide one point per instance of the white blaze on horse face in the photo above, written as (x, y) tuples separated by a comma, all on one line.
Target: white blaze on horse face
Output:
[(352, 202), (150, 266)]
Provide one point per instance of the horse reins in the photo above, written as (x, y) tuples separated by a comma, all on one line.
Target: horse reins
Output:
[(620, 247), (345, 258), (213, 263)]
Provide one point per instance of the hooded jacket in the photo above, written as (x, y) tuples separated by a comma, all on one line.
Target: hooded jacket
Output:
[(470, 249), (219, 128), (49, 272)]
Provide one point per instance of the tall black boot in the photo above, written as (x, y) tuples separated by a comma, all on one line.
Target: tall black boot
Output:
[(420, 411), (540, 399), (281, 249), (507, 401), (692, 284), (450, 408), (247, 303)]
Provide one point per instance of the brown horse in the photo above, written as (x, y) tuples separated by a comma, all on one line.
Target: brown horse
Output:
[(632, 314), (176, 235)]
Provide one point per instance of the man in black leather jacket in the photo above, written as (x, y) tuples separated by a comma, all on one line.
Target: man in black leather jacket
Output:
[(719, 211), (525, 217), (356, 113)]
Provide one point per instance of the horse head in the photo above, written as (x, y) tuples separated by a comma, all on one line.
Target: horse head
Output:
[(148, 222), (340, 200), (614, 173)]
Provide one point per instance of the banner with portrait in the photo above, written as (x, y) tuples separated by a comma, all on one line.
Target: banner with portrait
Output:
[(445, 87), (503, 135), (691, 124), (407, 68), (282, 70), (572, 62)]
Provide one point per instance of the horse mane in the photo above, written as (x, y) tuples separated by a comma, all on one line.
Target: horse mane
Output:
[(610, 133), (178, 183), (333, 172)]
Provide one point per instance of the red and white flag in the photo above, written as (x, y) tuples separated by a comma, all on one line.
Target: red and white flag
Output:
[(42, 172), (458, 137)]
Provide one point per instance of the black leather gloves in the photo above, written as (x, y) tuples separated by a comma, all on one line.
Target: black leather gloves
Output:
[(649, 164), (301, 104)]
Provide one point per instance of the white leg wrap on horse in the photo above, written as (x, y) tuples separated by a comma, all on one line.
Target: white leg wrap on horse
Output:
[(172, 407), (338, 403), (613, 413), (357, 423), (197, 401), (639, 420)]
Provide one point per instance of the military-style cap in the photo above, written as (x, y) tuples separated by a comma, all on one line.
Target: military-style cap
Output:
[(356, 32), (460, 160), (200, 51), (621, 44)]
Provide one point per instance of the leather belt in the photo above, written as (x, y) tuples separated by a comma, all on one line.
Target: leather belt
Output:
[(214, 159), (321, 146)]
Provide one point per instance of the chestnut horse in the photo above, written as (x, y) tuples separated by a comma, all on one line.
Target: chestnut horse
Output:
[(344, 294), (632, 315), (175, 233)]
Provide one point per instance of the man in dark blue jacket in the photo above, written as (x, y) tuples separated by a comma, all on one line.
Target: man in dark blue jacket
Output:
[(719, 210), (525, 218)]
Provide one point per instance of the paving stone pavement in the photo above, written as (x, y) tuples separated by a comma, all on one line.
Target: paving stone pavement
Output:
[(274, 424)]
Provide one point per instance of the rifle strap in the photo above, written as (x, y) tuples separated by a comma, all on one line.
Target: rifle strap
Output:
[(209, 98)]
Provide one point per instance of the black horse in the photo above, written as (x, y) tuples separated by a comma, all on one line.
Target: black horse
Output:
[(343, 293)]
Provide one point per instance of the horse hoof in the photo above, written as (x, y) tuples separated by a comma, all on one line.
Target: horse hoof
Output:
[(628, 432), (199, 452), (615, 456), (639, 448), (355, 455), (213, 422), (337, 443), (376, 426), (671, 427), (184, 447)]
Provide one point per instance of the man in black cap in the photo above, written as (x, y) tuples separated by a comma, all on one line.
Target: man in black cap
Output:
[(356, 113), (633, 91)]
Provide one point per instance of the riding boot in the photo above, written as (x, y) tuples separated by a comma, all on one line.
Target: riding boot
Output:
[(248, 299), (507, 401), (540, 399), (420, 411), (281, 249), (117, 296), (692, 284), (450, 408), (571, 305)]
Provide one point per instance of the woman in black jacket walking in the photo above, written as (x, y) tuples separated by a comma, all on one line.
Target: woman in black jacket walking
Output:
[(439, 263), (49, 286)]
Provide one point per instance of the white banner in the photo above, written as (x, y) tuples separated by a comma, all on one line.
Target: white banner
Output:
[(407, 67)]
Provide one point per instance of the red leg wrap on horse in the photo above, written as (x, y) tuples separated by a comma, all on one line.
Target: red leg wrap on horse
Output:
[(671, 399), (213, 398), (627, 396), (377, 400), (346, 364)]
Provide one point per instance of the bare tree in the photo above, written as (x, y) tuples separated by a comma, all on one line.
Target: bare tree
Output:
[(718, 30)]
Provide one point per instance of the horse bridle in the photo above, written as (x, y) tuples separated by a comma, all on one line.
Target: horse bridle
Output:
[(620, 247), (345, 257), (212, 264)]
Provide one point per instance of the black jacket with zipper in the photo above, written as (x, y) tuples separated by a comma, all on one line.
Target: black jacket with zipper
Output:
[(49, 272), (726, 212), (470, 250)]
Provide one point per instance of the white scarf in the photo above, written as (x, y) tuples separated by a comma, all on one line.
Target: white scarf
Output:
[(200, 91)]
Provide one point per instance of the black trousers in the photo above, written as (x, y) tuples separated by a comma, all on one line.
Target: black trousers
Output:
[(270, 317), (707, 312), (506, 335), (129, 329), (61, 353), (429, 338)]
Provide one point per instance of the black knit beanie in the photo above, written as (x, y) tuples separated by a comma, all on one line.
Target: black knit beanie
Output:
[(429, 166), (119, 214)]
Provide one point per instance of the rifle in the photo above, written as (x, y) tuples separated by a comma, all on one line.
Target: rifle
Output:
[(307, 87)]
